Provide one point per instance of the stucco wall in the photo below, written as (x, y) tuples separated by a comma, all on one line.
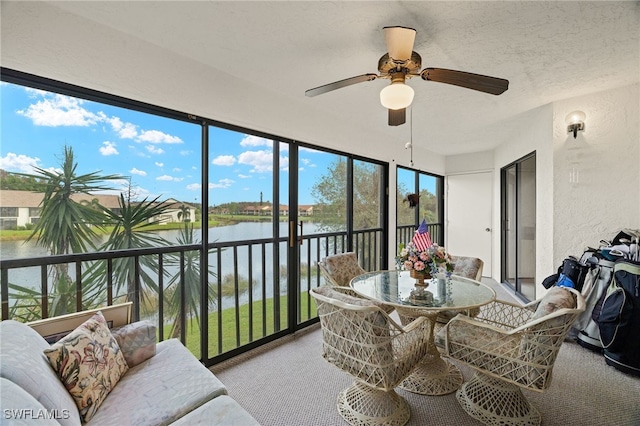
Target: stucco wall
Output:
[(597, 185), (533, 132)]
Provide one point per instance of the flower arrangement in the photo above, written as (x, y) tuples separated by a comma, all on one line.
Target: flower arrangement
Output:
[(432, 260)]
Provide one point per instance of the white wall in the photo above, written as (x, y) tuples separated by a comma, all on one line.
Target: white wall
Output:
[(603, 196)]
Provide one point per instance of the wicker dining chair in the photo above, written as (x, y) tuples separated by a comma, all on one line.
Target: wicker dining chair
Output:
[(510, 347), (361, 339), (339, 269), (468, 267)]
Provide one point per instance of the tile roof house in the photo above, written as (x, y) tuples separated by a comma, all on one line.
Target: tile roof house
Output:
[(20, 208)]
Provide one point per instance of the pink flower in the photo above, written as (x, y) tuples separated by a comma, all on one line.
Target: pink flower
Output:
[(419, 265)]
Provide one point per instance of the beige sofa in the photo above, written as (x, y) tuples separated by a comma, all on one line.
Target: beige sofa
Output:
[(171, 386)]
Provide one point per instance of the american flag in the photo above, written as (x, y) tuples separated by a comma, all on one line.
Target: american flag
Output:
[(422, 239)]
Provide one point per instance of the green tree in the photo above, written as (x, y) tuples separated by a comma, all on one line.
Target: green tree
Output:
[(330, 194), (192, 286), (185, 213), (130, 231), (65, 226)]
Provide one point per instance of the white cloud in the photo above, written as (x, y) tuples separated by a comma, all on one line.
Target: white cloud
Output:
[(128, 131), (176, 169), (20, 163), (153, 150), (222, 183), (169, 178), (224, 160), (156, 136), (241, 176), (108, 148), (305, 161), (59, 110), (194, 187), (159, 164), (250, 140), (135, 171), (262, 161), (124, 130), (185, 152)]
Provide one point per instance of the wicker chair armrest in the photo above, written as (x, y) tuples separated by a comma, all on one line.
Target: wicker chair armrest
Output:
[(348, 290), (467, 331)]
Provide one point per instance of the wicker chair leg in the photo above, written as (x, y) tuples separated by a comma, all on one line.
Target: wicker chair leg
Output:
[(362, 405), (496, 402)]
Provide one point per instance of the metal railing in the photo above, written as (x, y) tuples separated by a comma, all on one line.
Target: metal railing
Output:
[(404, 233), (248, 294)]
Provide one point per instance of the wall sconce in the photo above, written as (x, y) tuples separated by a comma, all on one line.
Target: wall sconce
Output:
[(575, 121)]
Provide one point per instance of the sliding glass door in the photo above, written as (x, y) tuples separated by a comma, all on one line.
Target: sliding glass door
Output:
[(518, 194)]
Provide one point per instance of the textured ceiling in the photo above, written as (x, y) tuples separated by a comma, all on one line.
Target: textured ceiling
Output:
[(548, 51)]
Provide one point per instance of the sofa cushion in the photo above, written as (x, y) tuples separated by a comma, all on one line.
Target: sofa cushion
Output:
[(222, 410), (137, 341), (20, 408), (24, 364), (160, 390), (89, 362)]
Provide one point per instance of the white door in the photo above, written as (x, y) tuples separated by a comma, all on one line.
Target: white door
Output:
[(469, 216)]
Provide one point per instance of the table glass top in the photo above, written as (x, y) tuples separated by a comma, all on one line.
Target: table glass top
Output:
[(398, 288)]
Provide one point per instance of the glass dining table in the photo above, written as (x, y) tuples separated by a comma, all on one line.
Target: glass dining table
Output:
[(433, 375)]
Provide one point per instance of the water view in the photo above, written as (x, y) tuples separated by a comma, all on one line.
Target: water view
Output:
[(30, 277)]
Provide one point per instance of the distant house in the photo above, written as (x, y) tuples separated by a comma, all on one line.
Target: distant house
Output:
[(20, 208), (252, 210), (176, 211), (305, 210)]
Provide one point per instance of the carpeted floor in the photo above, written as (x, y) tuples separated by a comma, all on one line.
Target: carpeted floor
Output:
[(290, 384)]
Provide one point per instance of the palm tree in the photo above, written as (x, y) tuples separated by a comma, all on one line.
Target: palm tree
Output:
[(130, 232), (185, 212), (65, 226), (192, 296)]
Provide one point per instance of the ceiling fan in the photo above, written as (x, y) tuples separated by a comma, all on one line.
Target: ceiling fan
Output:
[(402, 63)]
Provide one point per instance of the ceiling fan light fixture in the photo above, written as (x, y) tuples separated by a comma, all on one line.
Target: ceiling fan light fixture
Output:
[(396, 96)]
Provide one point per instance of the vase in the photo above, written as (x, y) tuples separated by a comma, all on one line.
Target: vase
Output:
[(420, 277)]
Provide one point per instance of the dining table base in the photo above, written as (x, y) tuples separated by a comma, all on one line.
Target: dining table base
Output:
[(433, 376)]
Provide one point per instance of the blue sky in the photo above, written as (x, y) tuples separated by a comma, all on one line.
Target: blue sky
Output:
[(160, 155)]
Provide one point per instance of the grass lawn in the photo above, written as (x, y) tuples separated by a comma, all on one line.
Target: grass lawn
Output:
[(229, 340)]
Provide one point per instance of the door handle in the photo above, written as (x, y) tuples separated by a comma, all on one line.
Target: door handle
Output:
[(301, 233), (291, 234)]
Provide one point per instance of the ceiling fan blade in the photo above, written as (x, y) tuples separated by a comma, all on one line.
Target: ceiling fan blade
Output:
[(397, 116), (340, 84), (482, 83), (399, 42)]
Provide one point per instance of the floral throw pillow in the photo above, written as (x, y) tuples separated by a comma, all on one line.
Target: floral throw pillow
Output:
[(89, 362)]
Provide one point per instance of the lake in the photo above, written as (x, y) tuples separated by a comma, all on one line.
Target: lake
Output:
[(30, 277)]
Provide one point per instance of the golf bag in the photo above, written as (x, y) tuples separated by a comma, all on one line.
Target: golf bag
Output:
[(619, 320), (571, 273), (597, 280)]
